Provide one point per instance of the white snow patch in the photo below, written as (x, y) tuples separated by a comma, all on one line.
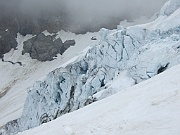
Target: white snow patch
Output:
[(46, 33)]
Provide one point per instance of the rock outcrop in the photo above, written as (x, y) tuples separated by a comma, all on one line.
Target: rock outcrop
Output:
[(7, 42), (45, 48)]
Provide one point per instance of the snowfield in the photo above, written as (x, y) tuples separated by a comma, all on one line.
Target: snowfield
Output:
[(149, 108), (129, 76)]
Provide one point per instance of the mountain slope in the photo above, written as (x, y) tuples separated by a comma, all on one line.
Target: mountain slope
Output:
[(129, 55), (16, 79), (150, 107)]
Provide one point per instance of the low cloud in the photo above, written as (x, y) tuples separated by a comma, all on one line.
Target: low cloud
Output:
[(84, 13)]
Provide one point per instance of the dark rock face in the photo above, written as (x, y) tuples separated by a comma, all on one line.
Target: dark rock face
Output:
[(7, 42), (45, 48), (69, 43), (66, 45), (42, 47)]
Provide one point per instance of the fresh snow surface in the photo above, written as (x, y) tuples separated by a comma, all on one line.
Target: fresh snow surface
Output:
[(168, 19), (164, 23), (15, 79), (140, 20), (149, 108)]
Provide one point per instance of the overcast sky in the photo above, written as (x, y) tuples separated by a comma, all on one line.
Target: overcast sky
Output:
[(115, 7), (87, 11), (85, 8)]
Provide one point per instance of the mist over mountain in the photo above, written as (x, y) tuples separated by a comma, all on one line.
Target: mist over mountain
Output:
[(80, 16)]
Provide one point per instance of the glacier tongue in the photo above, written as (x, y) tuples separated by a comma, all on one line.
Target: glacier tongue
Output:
[(139, 52)]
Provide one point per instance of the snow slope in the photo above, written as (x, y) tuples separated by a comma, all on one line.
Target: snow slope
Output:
[(149, 108), (15, 79), (168, 17), (125, 56)]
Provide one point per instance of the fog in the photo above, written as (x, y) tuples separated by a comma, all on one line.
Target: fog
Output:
[(84, 13), (85, 9), (102, 11)]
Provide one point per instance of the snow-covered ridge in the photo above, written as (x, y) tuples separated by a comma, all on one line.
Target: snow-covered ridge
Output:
[(168, 18), (139, 52), (170, 7)]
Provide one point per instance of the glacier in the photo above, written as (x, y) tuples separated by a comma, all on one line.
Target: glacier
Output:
[(137, 53), (148, 108)]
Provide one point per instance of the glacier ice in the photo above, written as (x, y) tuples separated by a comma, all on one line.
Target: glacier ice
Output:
[(140, 52)]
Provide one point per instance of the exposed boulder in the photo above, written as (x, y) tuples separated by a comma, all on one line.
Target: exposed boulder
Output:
[(42, 47), (7, 42), (45, 48), (93, 38)]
